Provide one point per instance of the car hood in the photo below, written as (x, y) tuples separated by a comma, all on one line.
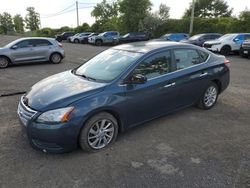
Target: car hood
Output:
[(61, 90), (213, 41)]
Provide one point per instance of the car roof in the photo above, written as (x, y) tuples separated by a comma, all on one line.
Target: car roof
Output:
[(145, 47), (28, 38)]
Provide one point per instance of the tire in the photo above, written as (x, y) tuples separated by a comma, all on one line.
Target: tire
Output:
[(98, 42), (209, 96), (115, 42), (225, 50), (59, 39), (4, 62), (242, 53), (91, 139), (55, 58), (76, 41)]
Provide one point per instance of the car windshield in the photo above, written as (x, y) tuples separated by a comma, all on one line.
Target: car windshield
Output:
[(107, 65), (227, 37), (12, 43), (101, 34), (165, 36), (126, 35), (195, 37)]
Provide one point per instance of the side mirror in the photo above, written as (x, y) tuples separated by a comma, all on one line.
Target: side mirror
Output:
[(137, 79), (14, 47)]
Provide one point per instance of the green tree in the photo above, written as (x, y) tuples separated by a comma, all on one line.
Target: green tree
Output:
[(82, 28), (210, 9), (132, 12), (6, 23), (18, 23), (32, 19), (163, 12)]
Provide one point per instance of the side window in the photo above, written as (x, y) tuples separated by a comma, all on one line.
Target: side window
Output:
[(186, 57), (239, 38), (24, 44), (247, 37), (40, 42), (154, 66), (203, 56)]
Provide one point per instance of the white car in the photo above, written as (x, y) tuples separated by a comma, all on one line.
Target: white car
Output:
[(227, 43), (78, 37)]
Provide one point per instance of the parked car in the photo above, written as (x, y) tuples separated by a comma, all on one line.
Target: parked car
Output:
[(109, 37), (119, 88), (64, 36), (227, 43), (245, 48), (33, 49), (173, 37), (201, 38), (84, 40), (134, 37), (79, 37)]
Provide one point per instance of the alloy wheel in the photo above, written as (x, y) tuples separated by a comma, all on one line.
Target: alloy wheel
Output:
[(210, 96)]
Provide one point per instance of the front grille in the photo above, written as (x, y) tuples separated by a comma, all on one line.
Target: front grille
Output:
[(25, 113)]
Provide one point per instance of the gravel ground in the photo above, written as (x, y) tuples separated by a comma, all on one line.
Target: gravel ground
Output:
[(190, 148)]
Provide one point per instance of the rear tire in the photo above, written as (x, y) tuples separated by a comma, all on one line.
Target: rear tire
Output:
[(225, 50), (55, 58), (4, 62), (242, 53), (99, 132), (209, 97), (76, 41)]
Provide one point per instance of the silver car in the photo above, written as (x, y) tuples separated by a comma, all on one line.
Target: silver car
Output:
[(34, 49)]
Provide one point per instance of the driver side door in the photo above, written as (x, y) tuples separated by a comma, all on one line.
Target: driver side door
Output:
[(157, 95)]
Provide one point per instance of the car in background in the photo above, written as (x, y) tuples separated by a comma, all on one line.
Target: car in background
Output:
[(64, 36), (134, 37), (227, 44), (245, 48), (120, 88), (78, 38), (201, 38), (33, 49), (84, 39), (109, 37), (173, 37)]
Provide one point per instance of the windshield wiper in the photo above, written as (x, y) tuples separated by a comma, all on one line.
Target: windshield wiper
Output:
[(87, 77)]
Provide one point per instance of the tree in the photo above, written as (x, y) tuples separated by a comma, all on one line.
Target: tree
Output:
[(32, 19), (18, 23), (163, 12), (105, 10), (83, 28), (6, 23), (209, 9), (132, 12)]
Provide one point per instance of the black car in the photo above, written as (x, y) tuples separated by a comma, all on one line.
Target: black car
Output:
[(245, 49), (120, 88), (64, 36), (84, 40), (134, 37), (201, 38)]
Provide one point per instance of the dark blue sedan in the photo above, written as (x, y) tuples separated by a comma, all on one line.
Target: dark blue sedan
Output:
[(118, 89)]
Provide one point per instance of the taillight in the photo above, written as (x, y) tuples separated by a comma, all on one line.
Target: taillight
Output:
[(60, 45), (227, 63)]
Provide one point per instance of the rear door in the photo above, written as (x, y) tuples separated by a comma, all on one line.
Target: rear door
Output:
[(24, 52), (41, 48), (157, 95), (191, 75)]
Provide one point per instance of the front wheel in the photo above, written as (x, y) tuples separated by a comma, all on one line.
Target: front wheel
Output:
[(98, 43), (99, 132), (76, 41), (209, 97), (225, 50), (4, 62), (55, 58)]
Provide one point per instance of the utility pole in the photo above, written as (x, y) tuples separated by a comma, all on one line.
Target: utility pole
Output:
[(77, 15), (192, 18)]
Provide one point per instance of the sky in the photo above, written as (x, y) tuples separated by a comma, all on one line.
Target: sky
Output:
[(48, 8)]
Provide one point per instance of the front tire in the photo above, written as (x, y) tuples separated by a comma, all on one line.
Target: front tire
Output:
[(98, 43), (99, 132), (76, 41), (225, 50), (209, 97), (55, 58), (4, 62)]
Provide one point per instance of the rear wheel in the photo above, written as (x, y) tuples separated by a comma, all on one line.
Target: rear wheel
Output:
[(99, 132), (209, 97), (55, 58), (4, 62), (225, 50), (242, 53), (76, 41)]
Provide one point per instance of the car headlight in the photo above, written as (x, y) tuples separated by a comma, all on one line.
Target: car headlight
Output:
[(55, 116), (216, 43)]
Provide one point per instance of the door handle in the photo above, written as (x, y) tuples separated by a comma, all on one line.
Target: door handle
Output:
[(203, 74), (170, 84)]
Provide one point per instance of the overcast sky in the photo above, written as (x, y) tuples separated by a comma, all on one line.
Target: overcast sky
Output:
[(47, 8)]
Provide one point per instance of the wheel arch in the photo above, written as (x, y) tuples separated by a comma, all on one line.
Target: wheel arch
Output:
[(10, 61), (218, 83)]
